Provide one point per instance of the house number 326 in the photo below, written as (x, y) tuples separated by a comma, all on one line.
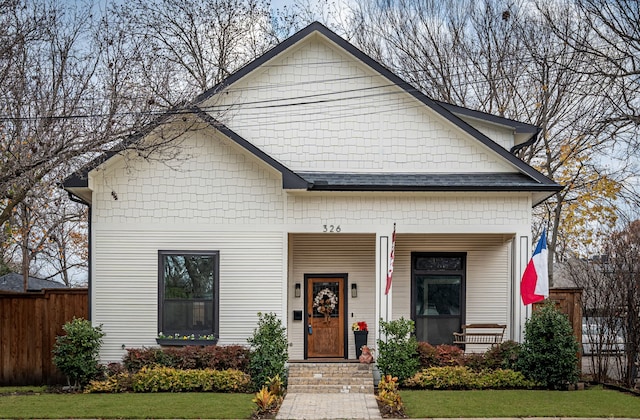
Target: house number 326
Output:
[(331, 228)]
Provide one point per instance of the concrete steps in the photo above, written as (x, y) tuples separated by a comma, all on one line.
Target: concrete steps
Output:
[(315, 378)]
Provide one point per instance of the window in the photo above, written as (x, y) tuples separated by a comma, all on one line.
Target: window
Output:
[(438, 288), (188, 292)]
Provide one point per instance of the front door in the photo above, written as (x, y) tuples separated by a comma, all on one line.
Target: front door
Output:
[(325, 316)]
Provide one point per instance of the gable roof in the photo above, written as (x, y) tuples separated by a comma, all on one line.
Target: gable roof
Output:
[(14, 282), (530, 180)]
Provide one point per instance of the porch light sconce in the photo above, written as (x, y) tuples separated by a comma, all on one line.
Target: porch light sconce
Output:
[(354, 290), (297, 290)]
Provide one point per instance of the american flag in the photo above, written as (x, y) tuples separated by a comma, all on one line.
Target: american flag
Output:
[(391, 257)]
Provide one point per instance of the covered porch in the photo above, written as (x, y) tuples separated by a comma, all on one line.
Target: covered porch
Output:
[(440, 280)]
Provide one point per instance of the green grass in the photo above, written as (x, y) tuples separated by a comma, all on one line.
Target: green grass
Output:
[(595, 402), (134, 406), (21, 389)]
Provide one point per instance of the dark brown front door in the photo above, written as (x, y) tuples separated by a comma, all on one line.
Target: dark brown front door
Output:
[(325, 316)]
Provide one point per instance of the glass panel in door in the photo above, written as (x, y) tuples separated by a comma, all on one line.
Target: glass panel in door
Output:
[(438, 300)]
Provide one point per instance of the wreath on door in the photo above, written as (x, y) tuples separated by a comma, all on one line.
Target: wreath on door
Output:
[(325, 303)]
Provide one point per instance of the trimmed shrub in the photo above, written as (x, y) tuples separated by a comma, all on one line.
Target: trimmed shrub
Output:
[(188, 357), (167, 379), (462, 377), (549, 354), (445, 377), (505, 379), (76, 353), (503, 356), (119, 382), (226, 357), (137, 358), (269, 350), (397, 354), (440, 355)]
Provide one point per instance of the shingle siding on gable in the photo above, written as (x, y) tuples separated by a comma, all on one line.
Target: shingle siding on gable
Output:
[(375, 127), (211, 182)]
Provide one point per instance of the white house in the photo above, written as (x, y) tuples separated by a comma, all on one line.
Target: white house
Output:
[(292, 175)]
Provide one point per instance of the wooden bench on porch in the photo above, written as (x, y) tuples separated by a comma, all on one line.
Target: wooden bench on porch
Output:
[(480, 334)]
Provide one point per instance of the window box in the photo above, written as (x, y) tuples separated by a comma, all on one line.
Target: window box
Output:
[(181, 343)]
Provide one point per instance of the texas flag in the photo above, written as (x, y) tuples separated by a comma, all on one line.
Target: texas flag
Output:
[(535, 280)]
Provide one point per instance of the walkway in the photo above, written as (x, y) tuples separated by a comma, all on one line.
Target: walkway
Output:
[(329, 406)]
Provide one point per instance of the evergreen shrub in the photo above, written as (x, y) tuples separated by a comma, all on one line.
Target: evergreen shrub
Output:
[(398, 352), (269, 350), (549, 353), (76, 353)]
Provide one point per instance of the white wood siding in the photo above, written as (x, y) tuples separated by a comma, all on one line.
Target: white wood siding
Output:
[(332, 254), (125, 286)]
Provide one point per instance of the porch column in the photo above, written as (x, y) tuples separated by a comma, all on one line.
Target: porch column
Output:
[(522, 254), (383, 302)]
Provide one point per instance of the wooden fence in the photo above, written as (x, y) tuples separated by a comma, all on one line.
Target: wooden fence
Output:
[(29, 324)]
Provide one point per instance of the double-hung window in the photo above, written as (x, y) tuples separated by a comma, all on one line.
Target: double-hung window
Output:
[(188, 293)]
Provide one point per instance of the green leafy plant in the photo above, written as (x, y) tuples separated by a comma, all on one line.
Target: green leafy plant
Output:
[(266, 402), (462, 377), (398, 351), (269, 350), (166, 379), (388, 397), (189, 357), (269, 399), (549, 353), (441, 355), (503, 356), (76, 353)]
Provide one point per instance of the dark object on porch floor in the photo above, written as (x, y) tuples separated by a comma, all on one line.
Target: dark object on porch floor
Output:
[(480, 334)]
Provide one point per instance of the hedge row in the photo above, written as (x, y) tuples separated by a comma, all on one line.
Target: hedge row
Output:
[(501, 356), (167, 379), (189, 357), (462, 377)]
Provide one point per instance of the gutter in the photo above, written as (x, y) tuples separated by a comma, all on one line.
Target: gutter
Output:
[(529, 142)]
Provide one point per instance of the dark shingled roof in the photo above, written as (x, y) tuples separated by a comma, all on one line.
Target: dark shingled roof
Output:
[(500, 181), (13, 282)]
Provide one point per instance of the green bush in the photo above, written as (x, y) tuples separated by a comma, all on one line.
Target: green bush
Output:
[(76, 353), (441, 355), (188, 357), (503, 356), (166, 379), (462, 377), (269, 350), (505, 379), (549, 353), (119, 382), (398, 352)]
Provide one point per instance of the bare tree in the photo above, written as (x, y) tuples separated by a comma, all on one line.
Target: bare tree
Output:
[(601, 323), (612, 51), (503, 58), (623, 251), (184, 47), (76, 81)]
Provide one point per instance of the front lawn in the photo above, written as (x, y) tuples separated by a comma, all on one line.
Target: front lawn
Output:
[(595, 402), (134, 406)]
